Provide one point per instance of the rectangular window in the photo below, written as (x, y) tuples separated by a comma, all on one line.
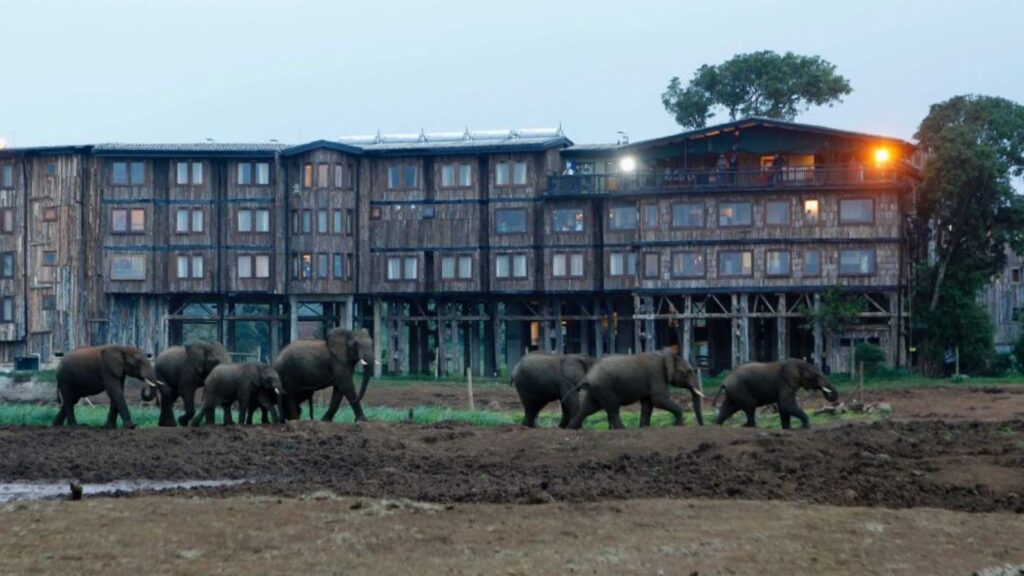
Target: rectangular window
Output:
[(510, 221), (776, 213), (119, 174), (1015, 275), (777, 263), (307, 176), (50, 214), (49, 258), (7, 178), (321, 221), (197, 173), (136, 173), (519, 174), (244, 174), (465, 267), (349, 219), (410, 268), (336, 222), (576, 265), (519, 265), (7, 268), (616, 264), (652, 265), (651, 216), (448, 176), (182, 174), (688, 265), (307, 265), (502, 174), (128, 267), (339, 176), (501, 266), (189, 173), (622, 218), (262, 173), (7, 310), (244, 266), (262, 265), (119, 220), (394, 177), (857, 262), (688, 215), (197, 266), (812, 263), (245, 220), (261, 220), (857, 211), (394, 268), (735, 264), (811, 212), (410, 176), (567, 220), (182, 267), (465, 175), (375, 213), (51, 169), (734, 214), (448, 268), (322, 262), (558, 268), (339, 270), (182, 221), (7, 220), (307, 221), (323, 174), (123, 221)]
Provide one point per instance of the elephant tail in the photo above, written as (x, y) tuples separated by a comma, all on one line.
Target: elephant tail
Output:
[(714, 402), (581, 386)]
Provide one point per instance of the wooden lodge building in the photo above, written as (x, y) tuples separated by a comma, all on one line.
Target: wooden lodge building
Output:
[(461, 250)]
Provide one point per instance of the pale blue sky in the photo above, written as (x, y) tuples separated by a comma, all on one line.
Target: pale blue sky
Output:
[(119, 70)]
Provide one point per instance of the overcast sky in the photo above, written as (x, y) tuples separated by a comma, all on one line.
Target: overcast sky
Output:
[(254, 70)]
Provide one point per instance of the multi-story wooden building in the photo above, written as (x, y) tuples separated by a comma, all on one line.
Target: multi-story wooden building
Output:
[(461, 250)]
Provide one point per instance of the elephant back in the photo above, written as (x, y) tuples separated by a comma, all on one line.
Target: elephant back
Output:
[(304, 364), (167, 362)]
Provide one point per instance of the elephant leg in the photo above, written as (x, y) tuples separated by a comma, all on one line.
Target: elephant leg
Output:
[(531, 410), (646, 409), (167, 409), (588, 407), (115, 391), (669, 405), (111, 417), (228, 419), (614, 420), (70, 416), (353, 400), (570, 406), (750, 412), (784, 418), (336, 396), (67, 407), (188, 398), (726, 411)]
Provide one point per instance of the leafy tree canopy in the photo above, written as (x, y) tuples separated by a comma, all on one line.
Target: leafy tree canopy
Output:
[(756, 84)]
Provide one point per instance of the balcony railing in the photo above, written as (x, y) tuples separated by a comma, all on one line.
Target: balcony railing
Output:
[(714, 179)]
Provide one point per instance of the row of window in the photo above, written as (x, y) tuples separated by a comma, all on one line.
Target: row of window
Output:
[(406, 176), (327, 221), (324, 175), (191, 221), (739, 263), (191, 266), (322, 265), (185, 173)]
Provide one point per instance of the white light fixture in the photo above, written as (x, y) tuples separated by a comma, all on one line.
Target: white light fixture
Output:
[(627, 164)]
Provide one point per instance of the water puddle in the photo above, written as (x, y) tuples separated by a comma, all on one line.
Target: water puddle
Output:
[(12, 491)]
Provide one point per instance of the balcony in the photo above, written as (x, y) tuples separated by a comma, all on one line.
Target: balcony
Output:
[(704, 179)]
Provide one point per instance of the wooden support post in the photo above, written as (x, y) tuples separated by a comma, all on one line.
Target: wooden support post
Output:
[(637, 324), (378, 338), (650, 342), (348, 319), (469, 388), (744, 328), (687, 340), (275, 335), (782, 329), (492, 363), (559, 330), (895, 337), (818, 341), (735, 332), (293, 320), (598, 336), (474, 327)]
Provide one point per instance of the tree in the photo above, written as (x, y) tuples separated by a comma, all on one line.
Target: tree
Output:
[(836, 314), (755, 84), (974, 145)]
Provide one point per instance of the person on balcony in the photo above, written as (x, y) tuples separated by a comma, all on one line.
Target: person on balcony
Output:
[(778, 167), (720, 169), (734, 168)]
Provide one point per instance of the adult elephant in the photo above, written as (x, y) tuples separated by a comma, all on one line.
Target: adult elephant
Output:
[(306, 366), (761, 383), (91, 370), (183, 369), (620, 379), (542, 377)]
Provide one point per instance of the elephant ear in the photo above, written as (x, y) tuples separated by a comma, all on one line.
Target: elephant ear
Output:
[(196, 355), (670, 360), (339, 345), (792, 373), (574, 368), (113, 361)]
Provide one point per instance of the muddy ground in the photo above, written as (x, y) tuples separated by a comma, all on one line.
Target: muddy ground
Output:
[(939, 489)]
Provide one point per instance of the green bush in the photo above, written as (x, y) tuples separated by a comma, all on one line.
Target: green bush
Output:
[(1018, 351), (871, 355)]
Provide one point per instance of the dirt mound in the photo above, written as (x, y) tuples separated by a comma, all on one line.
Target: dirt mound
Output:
[(970, 466)]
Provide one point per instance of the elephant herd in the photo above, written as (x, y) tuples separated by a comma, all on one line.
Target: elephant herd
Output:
[(306, 366), (301, 369), (618, 380)]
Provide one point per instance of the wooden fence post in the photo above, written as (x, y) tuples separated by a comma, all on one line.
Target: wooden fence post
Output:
[(469, 384)]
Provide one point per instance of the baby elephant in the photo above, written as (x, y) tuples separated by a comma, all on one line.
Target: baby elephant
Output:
[(251, 384), (758, 384)]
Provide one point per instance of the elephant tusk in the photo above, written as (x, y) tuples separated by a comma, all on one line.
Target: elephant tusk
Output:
[(363, 362), (826, 390), (699, 393), (150, 383)]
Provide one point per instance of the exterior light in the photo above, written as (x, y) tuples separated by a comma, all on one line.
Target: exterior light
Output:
[(881, 155), (627, 164)]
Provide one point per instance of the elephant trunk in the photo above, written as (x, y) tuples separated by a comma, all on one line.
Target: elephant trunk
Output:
[(367, 373), (698, 399), (148, 393)]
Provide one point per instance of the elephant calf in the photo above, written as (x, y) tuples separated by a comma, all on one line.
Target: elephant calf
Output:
[(251, 384), (759, 384), (541, 377)]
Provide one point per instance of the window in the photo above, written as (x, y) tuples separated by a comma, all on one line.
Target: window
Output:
[(128, 173), (321, 265), (123, 220), (428, 212), (349, 219), (7, 310), (688, 264), (1015, 275), (7, 176), (777, 263), (558, 268), (182, 221), (307, 176), (307, 221), (336, 222), (7, 220), (245, 174), (652, 265), (402, 176), (448, 176), (617, 264), (128, 267), (49, 302), (501, 266), (190, 266), (465, 175), (261, 220), (51, 169), (375, 213), (340, 176), (501, 174), (651, 216), (7, 268), (323, 174), (257, 266), (857, 211), (183, 266), (576, 265), (244, 266), (563, 265), (245, 220), (812, 263), (262, 265), (464, 267), (306, 268), (182, 178), (448, 267), (456, 176), (410, 267), (567, 220), (734, 214), (811, 212), (519, 265), (735, 264), (622, 217), (519, 174), (510, 221), (50, 215), (119, 220), (321, 221), (339, 269), (856, 262), (776, 213), (49, 258), (262, 173), (189, 173), (688, 215)]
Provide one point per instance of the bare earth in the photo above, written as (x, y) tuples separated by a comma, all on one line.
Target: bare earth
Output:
[(939, 489)]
